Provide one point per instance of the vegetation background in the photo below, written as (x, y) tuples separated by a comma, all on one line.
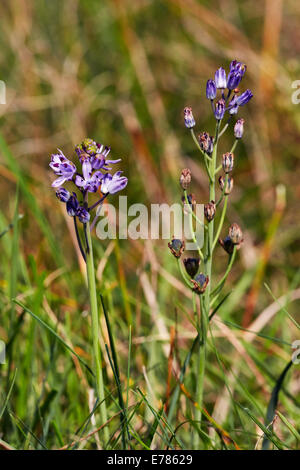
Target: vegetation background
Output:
[(121, 72)]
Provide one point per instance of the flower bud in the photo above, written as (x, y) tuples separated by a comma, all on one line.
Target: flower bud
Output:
[(176, 247), (227, 162), (63, 194), (211, 90), (72, 205), (235, 234), (227, 244), (220, 110), (220, 78), (229, 184), (191, 266), (206, 142), (210, 210), (83, 215), (239, 128), (185, 178), (200, 282), (189, 120)]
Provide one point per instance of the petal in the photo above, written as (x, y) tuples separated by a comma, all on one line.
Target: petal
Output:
[(58, 182), (79, 181), (86, 169)]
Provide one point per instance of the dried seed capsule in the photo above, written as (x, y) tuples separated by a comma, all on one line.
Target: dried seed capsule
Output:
[(199, 283), (176, 247), (189, 120), (235, 234), (227, 244), (185, 178), (227, 162), (239, 128), (229, 185), (210, 210), (191, 266)]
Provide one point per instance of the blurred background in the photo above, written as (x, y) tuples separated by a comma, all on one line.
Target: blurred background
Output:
[(121, 72)]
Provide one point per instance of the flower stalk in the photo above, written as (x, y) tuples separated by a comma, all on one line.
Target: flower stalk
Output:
[(202, 284)]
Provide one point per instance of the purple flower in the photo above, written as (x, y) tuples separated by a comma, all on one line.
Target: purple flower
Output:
[(234, 79), (211, 90), (220, 78), (88, 181), (72, 205), (83, 215), (189, 120), (238, 67), (63, 194), (244, 98), (96, 153), (62, 167), (113, 184), (239, 128), (220, 110)]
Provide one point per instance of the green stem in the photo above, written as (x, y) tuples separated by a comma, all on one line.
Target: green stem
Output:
[(95, 330), (221, 283), (221, 221), (184, 276), (191, 225), (205, 298)]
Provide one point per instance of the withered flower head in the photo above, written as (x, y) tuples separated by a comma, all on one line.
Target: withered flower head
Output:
[(227, 162), (227, 244), (191, 266), (210, 210), (176, 247), (199, 283), (235, 234), (229, 184), (185, 178)]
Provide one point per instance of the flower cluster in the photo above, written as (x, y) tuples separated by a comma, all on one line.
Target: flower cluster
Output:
[(228, 102), (225, 97), (93, 177)]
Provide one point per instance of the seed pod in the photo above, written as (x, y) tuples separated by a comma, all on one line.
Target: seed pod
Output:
[(199, 283), (239, 128), (229, 185), (227, 162), (210, 210), (227, 244), (176, 247), (189, 120), (191, 266), (235, 234), (185, 178)]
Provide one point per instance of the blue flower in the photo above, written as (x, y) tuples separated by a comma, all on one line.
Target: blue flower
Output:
[(220, 78), (62, 167), (88, 181), (63, 194), (239, 128), (211, 90), (72, 205), (83, 215), (220, 110), (237, 71), (244, 98), (112, 184), (189, 120)]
